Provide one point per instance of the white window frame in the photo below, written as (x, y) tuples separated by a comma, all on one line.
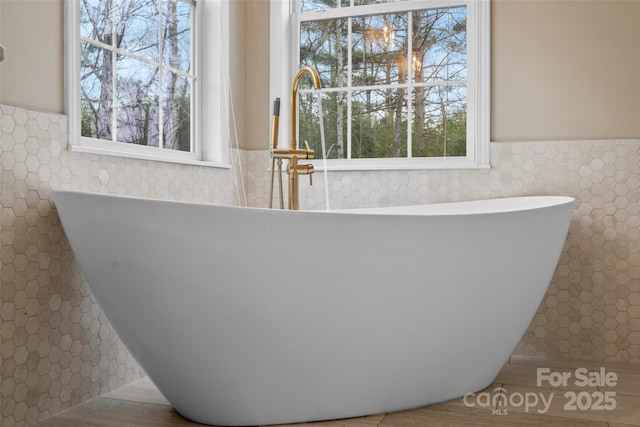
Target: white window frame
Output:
[(284, 47), (209, 95)]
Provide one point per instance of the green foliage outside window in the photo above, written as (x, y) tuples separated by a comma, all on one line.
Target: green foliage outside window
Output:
[(391, 83)]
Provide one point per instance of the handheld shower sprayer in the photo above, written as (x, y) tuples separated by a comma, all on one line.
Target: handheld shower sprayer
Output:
[(274, 144), (274, 123)]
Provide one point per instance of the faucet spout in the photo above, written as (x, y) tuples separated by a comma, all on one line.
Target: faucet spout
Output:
[(294, 99)]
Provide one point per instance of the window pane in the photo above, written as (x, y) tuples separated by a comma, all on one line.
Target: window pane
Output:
[(131, 25), (137, 27), (323, 46), (334, 109), (306, 5), (96, 96), (94, 20), (309, 122), (176, 34), (379, 49), (176, 112), (379, 123), (439, 44), (138, 102), (439, 121)]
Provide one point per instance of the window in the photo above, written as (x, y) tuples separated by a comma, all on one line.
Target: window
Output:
[(404, 83), (133, 78)]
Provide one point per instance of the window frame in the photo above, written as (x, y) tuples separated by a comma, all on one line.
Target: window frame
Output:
[(207, 136), (285, 31)]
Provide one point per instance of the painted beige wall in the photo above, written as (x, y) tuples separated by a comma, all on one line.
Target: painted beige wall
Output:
[(560, 69), (250, 72), (237, 70), (565, 70), (32, 73), (257, 56)]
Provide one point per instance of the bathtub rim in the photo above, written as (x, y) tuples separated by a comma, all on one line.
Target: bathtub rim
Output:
[(494, 205)]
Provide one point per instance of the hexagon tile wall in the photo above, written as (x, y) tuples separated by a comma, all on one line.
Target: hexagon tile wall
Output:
[(592, 308), (57, 348)]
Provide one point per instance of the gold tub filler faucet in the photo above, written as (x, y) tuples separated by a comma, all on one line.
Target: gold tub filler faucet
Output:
[(293, 153)]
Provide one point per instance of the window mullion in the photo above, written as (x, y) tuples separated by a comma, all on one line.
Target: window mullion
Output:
[(409, 83), (349, 82), (445, 120), (114, 77), (377, 9), (160, 78), (194, 140), (389, 86)]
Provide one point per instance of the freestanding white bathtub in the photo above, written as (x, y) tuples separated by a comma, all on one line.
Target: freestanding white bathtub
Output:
[(246, 316)]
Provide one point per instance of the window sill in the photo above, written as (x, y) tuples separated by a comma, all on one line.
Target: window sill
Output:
[(396, 164), (143, 153)]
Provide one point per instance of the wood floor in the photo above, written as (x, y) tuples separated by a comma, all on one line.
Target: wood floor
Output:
[(574, 403)]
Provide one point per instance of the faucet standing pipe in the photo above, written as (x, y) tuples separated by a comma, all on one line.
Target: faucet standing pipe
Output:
[(293, 153), (295, 168)]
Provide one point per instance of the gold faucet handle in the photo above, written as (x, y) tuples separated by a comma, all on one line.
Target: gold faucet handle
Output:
[(309, 152), (309, 171), (310, 155)]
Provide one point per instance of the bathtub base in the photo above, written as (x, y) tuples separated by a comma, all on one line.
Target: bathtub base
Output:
[(350, 408)]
